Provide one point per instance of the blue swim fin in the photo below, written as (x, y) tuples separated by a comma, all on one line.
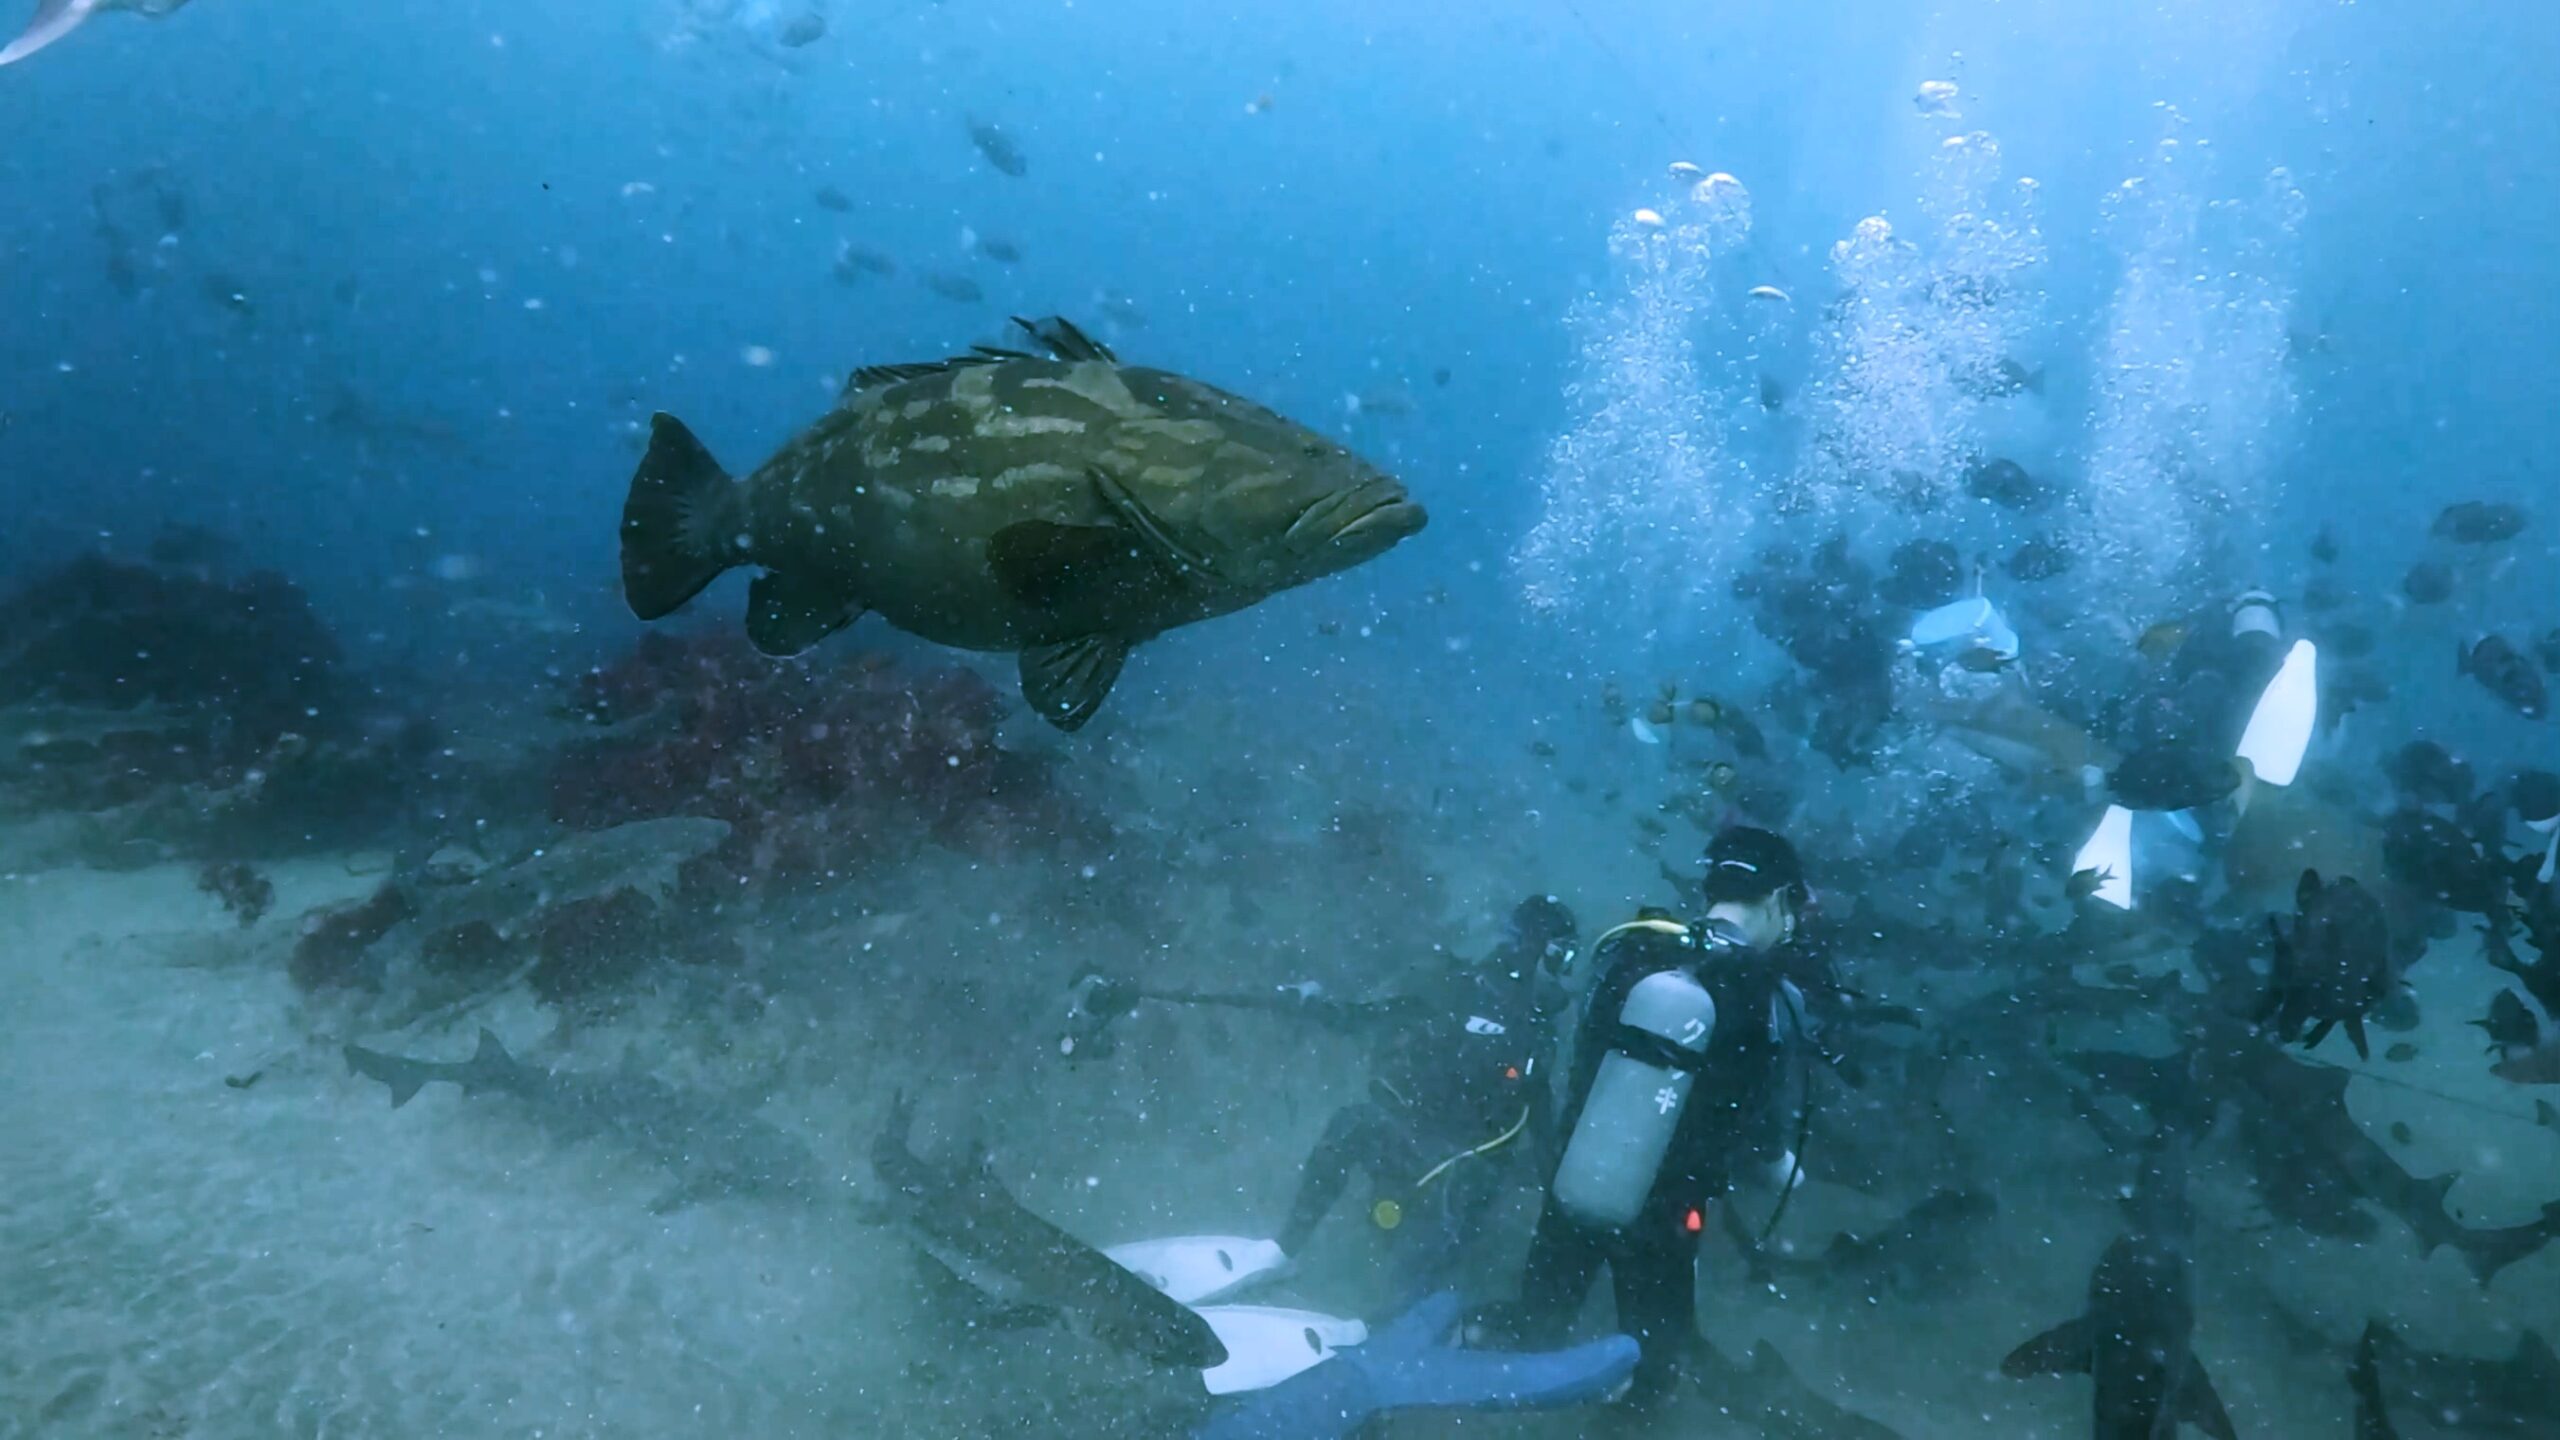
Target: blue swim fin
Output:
[(1412, 1364)]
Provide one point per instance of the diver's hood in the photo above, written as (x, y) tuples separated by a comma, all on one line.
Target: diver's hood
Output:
[(1973, 623), (2255, 613)]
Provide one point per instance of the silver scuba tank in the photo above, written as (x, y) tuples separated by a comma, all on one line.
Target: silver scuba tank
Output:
[(1627, 1122)]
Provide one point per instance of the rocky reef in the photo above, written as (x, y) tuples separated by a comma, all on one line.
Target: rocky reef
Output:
[(821, 770), (155, 709)]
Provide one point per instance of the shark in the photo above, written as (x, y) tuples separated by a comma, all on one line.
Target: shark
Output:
[(55, 19), (2136, 1338), (714, 1146), (1018, 1267)]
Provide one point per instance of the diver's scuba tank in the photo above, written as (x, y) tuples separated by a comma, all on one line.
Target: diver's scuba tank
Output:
[(1635, 1102)]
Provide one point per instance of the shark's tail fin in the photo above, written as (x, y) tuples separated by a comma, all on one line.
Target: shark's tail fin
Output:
[(2489, 1251)]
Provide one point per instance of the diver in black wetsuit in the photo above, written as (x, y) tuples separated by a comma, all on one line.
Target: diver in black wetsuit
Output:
[(1732, 1122), (1457, 1084)]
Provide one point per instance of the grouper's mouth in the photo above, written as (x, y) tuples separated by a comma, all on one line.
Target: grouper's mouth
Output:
[(1368, 519)]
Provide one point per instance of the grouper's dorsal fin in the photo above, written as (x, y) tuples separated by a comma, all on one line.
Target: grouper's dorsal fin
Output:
[(1059, 337), (1062, 339)]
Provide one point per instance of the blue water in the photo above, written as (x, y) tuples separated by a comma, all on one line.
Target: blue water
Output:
[(384, 296)]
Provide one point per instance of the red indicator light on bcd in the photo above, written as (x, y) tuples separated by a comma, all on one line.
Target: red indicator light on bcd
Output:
[(1696, 1222)]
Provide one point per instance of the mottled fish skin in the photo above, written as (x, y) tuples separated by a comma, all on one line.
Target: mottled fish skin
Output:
[(986, 447)]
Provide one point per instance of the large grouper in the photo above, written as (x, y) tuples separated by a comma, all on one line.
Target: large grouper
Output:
[(1060, 505)]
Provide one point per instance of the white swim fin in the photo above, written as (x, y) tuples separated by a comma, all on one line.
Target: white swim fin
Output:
[(1200, 1269), (2279, 732), (1267, 1344), (2109, 855), (54, 19)]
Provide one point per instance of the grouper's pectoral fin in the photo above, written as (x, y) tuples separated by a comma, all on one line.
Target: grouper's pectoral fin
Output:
[(1047, 566), (787, 614), (1065, 683), (1159, 539)]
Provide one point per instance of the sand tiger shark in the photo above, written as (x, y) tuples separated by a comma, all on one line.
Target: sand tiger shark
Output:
[(57, 18)]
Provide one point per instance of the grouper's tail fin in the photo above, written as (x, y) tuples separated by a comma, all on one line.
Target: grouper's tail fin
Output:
[(54, 19), (680, 524)]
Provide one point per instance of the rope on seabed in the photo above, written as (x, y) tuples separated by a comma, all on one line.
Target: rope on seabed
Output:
[(2416, 1089)]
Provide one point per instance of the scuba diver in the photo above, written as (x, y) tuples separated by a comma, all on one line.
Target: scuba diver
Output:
[(1458, 1082), (1681, 1067), (2213, 679)]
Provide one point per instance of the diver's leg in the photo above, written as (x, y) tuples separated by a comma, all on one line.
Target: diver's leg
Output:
[(1343, 1147), (1654, 1272), (1563, 1258)]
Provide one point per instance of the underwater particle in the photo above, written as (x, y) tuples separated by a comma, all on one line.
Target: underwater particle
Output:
[(757, 356), (1766, 292), (1120, 309), (1259, 104), (1440, 375), (1936, 97), (2001, 380)]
